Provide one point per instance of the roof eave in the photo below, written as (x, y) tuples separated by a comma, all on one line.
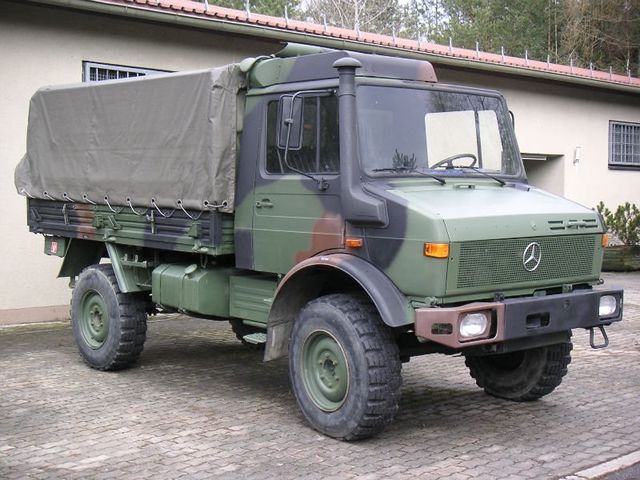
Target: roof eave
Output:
[(180, 18)]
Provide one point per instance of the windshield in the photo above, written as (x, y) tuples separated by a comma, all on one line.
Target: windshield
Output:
[(405, 131)]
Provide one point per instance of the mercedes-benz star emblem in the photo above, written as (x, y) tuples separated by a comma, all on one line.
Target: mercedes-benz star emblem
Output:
[(531, 256)]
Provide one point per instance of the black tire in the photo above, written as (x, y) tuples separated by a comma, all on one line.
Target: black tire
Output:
[(109, 327), (524, 375), (240, 329), (371, 358)]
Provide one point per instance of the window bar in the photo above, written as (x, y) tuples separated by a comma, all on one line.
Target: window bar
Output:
[(318, 135)]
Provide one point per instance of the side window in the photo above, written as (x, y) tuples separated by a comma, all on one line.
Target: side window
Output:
[(319, 152)]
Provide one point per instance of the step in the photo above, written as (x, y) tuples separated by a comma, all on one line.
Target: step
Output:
[(255, 338)]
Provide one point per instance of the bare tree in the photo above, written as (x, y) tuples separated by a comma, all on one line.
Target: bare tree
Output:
[(602, 32), (424, 19), (266, 7), (379, 16)]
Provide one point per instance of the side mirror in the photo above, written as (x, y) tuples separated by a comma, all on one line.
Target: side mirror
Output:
[(290, 122)]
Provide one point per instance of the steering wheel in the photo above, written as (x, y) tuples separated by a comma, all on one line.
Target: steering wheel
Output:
[(449, 160)]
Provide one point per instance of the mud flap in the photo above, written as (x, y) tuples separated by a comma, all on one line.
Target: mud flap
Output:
[(79, 254)]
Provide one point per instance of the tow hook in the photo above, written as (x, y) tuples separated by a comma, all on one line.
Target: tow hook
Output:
[(592, 335)]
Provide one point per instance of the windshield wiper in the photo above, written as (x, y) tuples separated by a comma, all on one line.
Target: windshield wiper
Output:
[(410, 169), (477, 170)]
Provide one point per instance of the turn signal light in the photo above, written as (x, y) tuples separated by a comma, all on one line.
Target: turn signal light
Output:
[(354, 242), (605, 240), (436, 250)]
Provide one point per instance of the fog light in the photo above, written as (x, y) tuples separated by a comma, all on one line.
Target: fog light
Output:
[(608, 305), (473, 324)]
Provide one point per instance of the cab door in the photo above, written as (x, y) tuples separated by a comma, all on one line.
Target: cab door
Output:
[(296, 197)]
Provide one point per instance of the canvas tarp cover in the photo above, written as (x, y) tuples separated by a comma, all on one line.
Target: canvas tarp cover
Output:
[(167, 137)]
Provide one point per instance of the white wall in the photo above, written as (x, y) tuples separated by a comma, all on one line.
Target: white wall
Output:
[(554, 119), (547, 174), (43, 45)]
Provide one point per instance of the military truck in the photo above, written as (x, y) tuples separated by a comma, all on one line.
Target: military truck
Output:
[(341, 208)]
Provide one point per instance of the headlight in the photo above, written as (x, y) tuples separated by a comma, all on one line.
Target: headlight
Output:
[(473, 324), (608, 305)]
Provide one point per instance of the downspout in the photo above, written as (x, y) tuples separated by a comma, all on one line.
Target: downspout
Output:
[(357, 206)]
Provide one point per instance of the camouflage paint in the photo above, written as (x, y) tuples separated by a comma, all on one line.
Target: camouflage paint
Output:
[(314, 67), (136, 242), (301, 223), (302, 220), (421, 210), (208, 233)]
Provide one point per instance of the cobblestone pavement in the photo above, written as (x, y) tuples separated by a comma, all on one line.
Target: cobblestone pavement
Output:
[(200, 405)]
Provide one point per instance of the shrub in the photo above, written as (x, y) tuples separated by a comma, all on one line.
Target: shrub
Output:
[(624, 223)]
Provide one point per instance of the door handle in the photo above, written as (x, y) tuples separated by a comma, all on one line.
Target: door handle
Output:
[(264, 203)]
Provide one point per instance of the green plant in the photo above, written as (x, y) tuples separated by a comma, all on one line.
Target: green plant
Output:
[(624, 223), (402, 160)]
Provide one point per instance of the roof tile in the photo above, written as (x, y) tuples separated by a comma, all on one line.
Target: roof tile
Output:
[(198, 9)]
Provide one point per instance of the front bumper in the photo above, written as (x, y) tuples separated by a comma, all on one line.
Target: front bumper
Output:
[(517, 317)]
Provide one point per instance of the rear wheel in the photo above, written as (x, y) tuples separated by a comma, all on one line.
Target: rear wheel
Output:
[(345, 367), (109, 326), (524, 375)]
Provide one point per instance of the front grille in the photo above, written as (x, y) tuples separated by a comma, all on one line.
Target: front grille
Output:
[(486, 263)]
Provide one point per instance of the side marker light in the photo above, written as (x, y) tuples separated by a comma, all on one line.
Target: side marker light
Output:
[(436, 250), (354, 242)]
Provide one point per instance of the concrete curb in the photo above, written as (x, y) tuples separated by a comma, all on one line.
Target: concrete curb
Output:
[(34, 326), (606, 468)]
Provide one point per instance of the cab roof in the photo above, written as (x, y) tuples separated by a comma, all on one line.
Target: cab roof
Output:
[(299, 65)]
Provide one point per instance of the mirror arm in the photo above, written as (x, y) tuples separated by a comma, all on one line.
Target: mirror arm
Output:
[(322, 183)]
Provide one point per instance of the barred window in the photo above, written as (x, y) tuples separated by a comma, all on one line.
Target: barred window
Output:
[(97, 72), (624, 144)]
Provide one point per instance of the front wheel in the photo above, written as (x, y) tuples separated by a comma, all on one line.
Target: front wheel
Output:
[(345, 367), (523, 375)]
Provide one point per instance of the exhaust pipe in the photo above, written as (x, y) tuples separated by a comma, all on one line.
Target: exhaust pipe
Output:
[(358, 206)]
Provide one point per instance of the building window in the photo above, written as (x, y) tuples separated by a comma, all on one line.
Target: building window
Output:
[(97, 72), (624, 145)]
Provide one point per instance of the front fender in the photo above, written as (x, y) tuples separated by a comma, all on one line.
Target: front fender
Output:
[(305, 281)]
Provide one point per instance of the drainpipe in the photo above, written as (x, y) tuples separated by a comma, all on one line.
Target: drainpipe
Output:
[(358, 206)]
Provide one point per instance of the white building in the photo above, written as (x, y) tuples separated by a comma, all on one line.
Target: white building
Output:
[(578, 130)]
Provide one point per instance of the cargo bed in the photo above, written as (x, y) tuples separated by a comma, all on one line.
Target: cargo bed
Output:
[(182, 231)]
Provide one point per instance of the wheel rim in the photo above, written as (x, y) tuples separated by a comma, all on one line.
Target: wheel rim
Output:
[(325, 371), (94, 320)]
